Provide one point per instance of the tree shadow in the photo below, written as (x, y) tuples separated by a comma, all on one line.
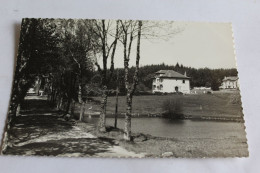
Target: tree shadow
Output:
[(37, 106), (64, 147)]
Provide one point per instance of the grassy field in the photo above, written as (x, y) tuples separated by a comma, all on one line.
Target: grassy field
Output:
[(218, 104)]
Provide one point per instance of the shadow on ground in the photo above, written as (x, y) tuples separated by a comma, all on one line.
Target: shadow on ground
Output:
[(40, 130)]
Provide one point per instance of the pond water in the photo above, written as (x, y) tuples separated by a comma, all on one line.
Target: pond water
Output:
[(181, 128)]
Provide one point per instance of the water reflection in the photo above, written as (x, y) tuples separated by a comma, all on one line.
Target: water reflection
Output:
[(167, 121), (180, 128)]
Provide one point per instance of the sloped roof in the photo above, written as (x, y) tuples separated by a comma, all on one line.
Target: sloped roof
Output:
[(170, 74), (232, 78)]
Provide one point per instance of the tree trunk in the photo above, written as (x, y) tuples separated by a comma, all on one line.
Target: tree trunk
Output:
[(38, 86), (127, 132), (81, 102), (102, 119), (68, 106), (116, 110), (63, 105), (72, 109), (82, 110), (104, 30), (130, 89), (80, 91), (117, 91), (58, 103), (18, 109), (53, 93), (55, 97), (60, 106), (12, 112)]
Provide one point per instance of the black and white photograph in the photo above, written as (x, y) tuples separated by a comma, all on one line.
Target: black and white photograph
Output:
[(125, 89)]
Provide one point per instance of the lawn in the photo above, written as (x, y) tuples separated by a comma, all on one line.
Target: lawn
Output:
[(218, 104)]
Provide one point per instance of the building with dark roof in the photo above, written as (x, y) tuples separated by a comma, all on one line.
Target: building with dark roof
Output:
[(169, 81)]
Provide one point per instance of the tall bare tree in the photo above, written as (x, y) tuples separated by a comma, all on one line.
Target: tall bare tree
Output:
[(106, 31), (130, 30), (79, 46), (135, 30)]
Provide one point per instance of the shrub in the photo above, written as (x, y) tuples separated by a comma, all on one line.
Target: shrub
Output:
[(157, 93), (142, 93), (209, 92), (173, 108), (178, 93)]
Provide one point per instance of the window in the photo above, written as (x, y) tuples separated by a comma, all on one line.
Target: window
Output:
[(161, 87), (183, 81), (161, 80)]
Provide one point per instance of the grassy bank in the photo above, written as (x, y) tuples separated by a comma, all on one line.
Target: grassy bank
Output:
[(152, 146), (217, 105)]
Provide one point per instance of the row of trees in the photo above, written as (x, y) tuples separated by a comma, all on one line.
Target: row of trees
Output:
[(70, 59), (198, 77), (63, 57)]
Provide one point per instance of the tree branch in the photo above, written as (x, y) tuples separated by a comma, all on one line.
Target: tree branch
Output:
[(113, 51), (98, 66)]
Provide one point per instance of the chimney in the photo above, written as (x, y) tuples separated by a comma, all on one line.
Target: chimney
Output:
[(185, 74)]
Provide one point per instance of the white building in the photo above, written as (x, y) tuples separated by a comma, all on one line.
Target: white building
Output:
[(230, 82), (169, 81), (201, 90)]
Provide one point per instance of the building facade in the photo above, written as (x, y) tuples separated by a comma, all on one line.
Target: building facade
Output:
[(169, 81), (230, 82)]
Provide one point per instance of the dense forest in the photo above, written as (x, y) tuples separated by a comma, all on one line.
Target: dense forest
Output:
[(199, 77)]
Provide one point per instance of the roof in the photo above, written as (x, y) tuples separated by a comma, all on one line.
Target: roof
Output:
[(170, 74), (232, 78)]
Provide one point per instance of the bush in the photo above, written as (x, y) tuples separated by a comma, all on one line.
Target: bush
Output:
[(209, 92), (178, 93), (159, 93), (143, 93), (173, 108)]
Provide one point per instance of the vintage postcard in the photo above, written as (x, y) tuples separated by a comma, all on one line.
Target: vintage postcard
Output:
[(125, 88)]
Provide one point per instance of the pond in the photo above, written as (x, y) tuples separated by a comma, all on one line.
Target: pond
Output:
[(181, 128)]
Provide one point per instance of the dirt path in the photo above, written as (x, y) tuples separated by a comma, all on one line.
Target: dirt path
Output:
[(40, 130)]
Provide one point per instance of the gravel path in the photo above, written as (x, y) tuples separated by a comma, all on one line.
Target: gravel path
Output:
[(41, 131)]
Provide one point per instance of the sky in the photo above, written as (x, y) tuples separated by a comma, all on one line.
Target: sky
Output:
[(197, 45)]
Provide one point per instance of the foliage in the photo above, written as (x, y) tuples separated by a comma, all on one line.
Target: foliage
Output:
[(58, 54), (173, 108), (37, 48), (198, 77)]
